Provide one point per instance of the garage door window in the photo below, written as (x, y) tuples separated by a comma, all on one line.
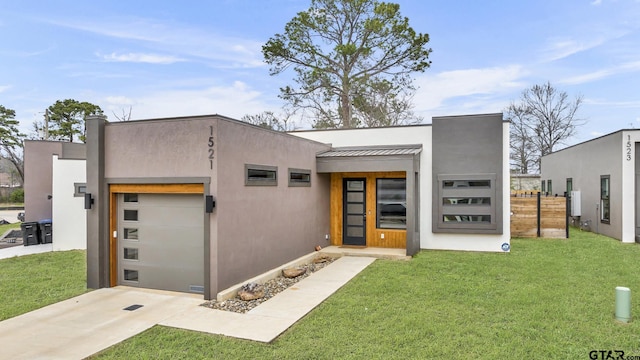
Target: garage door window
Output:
[(131, 198), (130, 234), (131, 275), (131, 215), (131, 254)]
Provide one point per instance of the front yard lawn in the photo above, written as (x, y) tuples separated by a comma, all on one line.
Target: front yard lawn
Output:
[(547, 299)]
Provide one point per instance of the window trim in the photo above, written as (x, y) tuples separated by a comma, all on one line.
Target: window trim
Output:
[(489, 227), (608, 199), (76, 189), (260, 182), (377, 201), (299, 183)]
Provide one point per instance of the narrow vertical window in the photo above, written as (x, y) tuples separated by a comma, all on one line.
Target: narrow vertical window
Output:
[(543, 186), (569, 186), (605, 206), (549, 187)]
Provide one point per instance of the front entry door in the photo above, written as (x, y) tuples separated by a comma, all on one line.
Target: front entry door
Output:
[(354, 212)]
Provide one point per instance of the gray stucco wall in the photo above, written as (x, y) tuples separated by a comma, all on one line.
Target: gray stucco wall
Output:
[(252, 228), (38, 167), (261, 227), (585, 163), (468, 145)]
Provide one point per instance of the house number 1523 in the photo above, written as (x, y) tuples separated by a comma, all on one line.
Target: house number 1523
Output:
[(628, 149), (210, 144)]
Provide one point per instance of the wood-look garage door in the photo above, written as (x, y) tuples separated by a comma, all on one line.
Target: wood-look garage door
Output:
[(160, 241)]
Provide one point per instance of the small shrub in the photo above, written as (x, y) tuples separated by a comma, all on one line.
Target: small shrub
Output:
[(17, 196)]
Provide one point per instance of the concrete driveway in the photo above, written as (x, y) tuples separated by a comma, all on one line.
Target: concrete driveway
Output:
[(89, 323)]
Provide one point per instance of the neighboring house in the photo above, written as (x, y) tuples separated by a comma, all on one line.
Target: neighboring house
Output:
[(54, 172), (198, 204), (525, 182), (603, 173)]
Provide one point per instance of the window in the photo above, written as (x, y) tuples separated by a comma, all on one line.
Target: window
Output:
[(260, 175), (131, 215), (466, 203), (299, 177), (605, 206), (130, 234), (569, 186), (131, 275), (391, 203), (543, 186), (130, 253), (549, 187), (79, 189), (131, 198)]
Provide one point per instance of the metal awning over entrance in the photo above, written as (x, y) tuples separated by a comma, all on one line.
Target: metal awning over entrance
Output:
[(370, 158)]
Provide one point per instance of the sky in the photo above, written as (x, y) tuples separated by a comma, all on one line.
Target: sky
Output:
[(181, 58)]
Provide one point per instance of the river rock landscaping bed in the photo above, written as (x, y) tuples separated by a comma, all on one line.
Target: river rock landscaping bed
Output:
[(271, 288)]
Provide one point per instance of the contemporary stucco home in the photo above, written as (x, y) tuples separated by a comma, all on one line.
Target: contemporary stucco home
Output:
[(602, 177), (198, 204), (54, 183)]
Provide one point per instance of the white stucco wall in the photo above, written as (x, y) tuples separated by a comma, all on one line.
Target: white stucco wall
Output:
[(423, 135), (69, 220)]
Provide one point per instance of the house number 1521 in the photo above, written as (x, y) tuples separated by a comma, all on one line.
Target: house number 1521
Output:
[(210, 144)]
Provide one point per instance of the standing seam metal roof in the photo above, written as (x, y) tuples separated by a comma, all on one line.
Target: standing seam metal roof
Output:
[(372, 151)]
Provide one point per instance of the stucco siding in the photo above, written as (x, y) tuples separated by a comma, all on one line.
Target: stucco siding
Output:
[(585, 164), (69, 216), (262, 227)]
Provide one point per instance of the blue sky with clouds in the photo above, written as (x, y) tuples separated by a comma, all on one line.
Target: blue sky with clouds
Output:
[(170, 58)]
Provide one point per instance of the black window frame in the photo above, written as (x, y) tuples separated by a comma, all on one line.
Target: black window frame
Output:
[(605, 201), (260, 181), (463, 213), (379, 211), (303, 181)]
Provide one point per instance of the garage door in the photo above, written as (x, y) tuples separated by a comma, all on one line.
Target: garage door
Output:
[(161, 241)]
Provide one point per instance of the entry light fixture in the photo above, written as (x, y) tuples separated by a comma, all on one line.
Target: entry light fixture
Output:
[(210, 203), (88, 201)]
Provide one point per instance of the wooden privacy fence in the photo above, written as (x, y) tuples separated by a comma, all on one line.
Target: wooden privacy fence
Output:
[(539, 215)]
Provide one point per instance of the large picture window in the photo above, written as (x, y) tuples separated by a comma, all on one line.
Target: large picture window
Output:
[(605, 191), (391, 204)]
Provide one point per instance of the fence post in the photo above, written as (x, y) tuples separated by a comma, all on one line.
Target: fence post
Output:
[(567, 205), (538, 214)]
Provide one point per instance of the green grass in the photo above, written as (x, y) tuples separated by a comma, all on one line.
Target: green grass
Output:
[(32, 281), (6, 227), (546, 299)]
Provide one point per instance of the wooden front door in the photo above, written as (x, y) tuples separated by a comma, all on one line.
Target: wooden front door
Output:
[(354, 212)]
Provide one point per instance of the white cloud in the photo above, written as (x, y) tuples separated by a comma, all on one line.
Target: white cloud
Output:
[(562, 48), (141, 58), (476, 88), (4, 87), (596, 2), (233, 101), (603, 73), (180, 39), (596, 134)]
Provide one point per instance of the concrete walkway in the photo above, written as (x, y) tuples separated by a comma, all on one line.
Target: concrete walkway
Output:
[(20, 250), (86, 324)]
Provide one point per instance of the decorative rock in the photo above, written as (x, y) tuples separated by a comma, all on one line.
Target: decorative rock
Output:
[(251, 291), (293, 272), (322, 259)]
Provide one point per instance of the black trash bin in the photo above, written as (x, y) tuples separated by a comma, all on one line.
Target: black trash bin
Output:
[(30, 233), (46, 235)]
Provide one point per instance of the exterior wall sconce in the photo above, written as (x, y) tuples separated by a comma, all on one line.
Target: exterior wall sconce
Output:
[(210, 203), (88, 201)]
